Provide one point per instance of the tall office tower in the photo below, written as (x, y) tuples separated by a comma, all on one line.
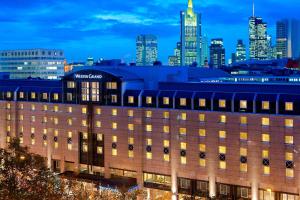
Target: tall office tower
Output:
[(146, 50), (258, 38), (240, 54), (190, 36), (204, 50), (217, 53), (42, 63), (288, 40), (271, 48), (175, 59)]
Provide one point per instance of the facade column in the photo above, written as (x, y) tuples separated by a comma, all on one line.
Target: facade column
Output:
[(254, 190), (212, 186), (174, 184)]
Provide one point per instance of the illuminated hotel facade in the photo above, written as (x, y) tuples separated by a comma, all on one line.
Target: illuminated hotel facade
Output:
[(174, 136)]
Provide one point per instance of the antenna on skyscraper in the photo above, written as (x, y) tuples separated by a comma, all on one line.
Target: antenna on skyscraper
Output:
[(253, 8)]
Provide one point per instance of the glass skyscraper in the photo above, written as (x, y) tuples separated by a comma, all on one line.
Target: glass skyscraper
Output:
[(146, 50), (35, 63), (217, 53), (190, 36), (240, 54)]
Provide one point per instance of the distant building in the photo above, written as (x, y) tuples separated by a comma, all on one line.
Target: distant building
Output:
[(42, 63), (146, 50), (176, 59), (70, 66), (272, 52), (190, 36), (288, 39), (240, 54), (204, 50), (217, 53), (90, 61)]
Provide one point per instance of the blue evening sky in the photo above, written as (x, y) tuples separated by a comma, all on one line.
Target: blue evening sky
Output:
[(107, 28)]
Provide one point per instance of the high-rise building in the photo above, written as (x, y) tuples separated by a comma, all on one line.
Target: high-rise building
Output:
[(190, 36), (175, 60), (288, 40), (204, 50), (146, 50), (217, 53), (272, 52), (35, 63), (240, 54), (258, 38)]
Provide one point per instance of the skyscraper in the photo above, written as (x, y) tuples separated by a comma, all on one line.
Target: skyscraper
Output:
[(190, 36), (204, 50), (217, 53), (287, 39), (175, 59), (146, 50), (258, 38), (240, 54)]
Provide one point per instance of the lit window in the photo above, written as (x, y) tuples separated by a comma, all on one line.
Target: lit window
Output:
[(265, 105), (166, 115), (222, 149), (148, 113), (265, 137), (243, 152), (149, 128), (33, 141), (289, 139), (182, 102), (98, 111), (222, 103), (70, 122), (243, 104), (99, 137), (98, 124), (183, 116), (114, 98), (45, 107), (289, 156), (202, 117), (130, 113), (265, 121), (8, 106), (222, 164), (8, 94), (84, 123), (130, 154), (21, 95), (182, 131), (114, 125), (99, 150), (32, 130), (222, 134), (55, 108), (130, 99), (243, 120), (289, 106), (70, 84), (45, 96), (33, 95), (289, 173), (114, 112), (114, 139), (149, 142), (70, 109), (166, 100), (183, 160), (130, 140), (222, 118), (83, 110), (265, 154), (289, 123), (166, 129), (114, 152), (166, 143), (149, 155), (148, 100), (202, 102), (267, 170), (69, 96), (243, 136), (130, 127), (183, 146), (85, 135), (202, 147), (32, 107), (111, 85), (202, 132), (167, 157), (55, 96), (70, 134)]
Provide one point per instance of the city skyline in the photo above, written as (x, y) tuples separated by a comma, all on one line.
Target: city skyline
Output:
[(82, 32)]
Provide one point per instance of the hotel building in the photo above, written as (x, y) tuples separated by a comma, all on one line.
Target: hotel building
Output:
[(174, 136)]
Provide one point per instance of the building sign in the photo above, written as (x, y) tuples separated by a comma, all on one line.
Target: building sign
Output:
[(88, 76)]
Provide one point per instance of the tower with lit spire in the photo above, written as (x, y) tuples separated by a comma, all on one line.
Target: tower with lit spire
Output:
[(190, 36)]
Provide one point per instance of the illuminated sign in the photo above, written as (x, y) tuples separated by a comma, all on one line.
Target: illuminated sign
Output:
[(88, 76)]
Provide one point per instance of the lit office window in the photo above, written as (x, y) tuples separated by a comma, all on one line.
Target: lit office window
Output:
[(289, 123), (21, 117), (202, 160), (222, 103), (166, 100), (243, 104), (114, 125), (148, 114), (222, 134), (183, 147), (222, 149), (183, 116), (114, 98), (166, 154), (166, 129), (223, 119), (130, 99), (130, 127), (166, 115), (148, 128), (182, 131), (265, 105), (289, 173), (243, 136), (202, 102), (148, 100), (130, 113), (265, 121), (182, 101), (71, 84), (265, 137), (114, 112), (99, 137), (243, 120), (201, 117), (289, 139), (289, 106), (202, 132), (84, 110), (32, 130)]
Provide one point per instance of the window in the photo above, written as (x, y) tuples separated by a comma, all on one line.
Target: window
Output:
[(99, 150), (202, 132), (114, 112), (166, 144), (84, 123), (21, 95), (114, 139), (243, 120), (130, 142), (182, 101), (70, 84), (265, 137), (243, 104), (130, 99), (289, 106), (202, 149), (183, 160), (99, 137), (32, 107), (222, 103), (114, 98), (85, 91), (130, 127), (166, 100), (130, 113), (243, 136), (166, 129), (45, 96), (70, 109), (182, 131), (69, 96), (45, 107), (148, 100), (265, 121), (202, 117), (148, 114), (114, 125), (243, 166), (265, 105), (222, 134), (84, 110), (70, 122), (111, 85), (222, 118), (222, 149), (55, 108), (289, 139), (202, 102), (183, 116), (289, 123), (149, 128), (8, 94), (98, 111), (265, 154), (289, 173), (55, 96), (166, 115), (33, 95), (222, 164), (267, 170)]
